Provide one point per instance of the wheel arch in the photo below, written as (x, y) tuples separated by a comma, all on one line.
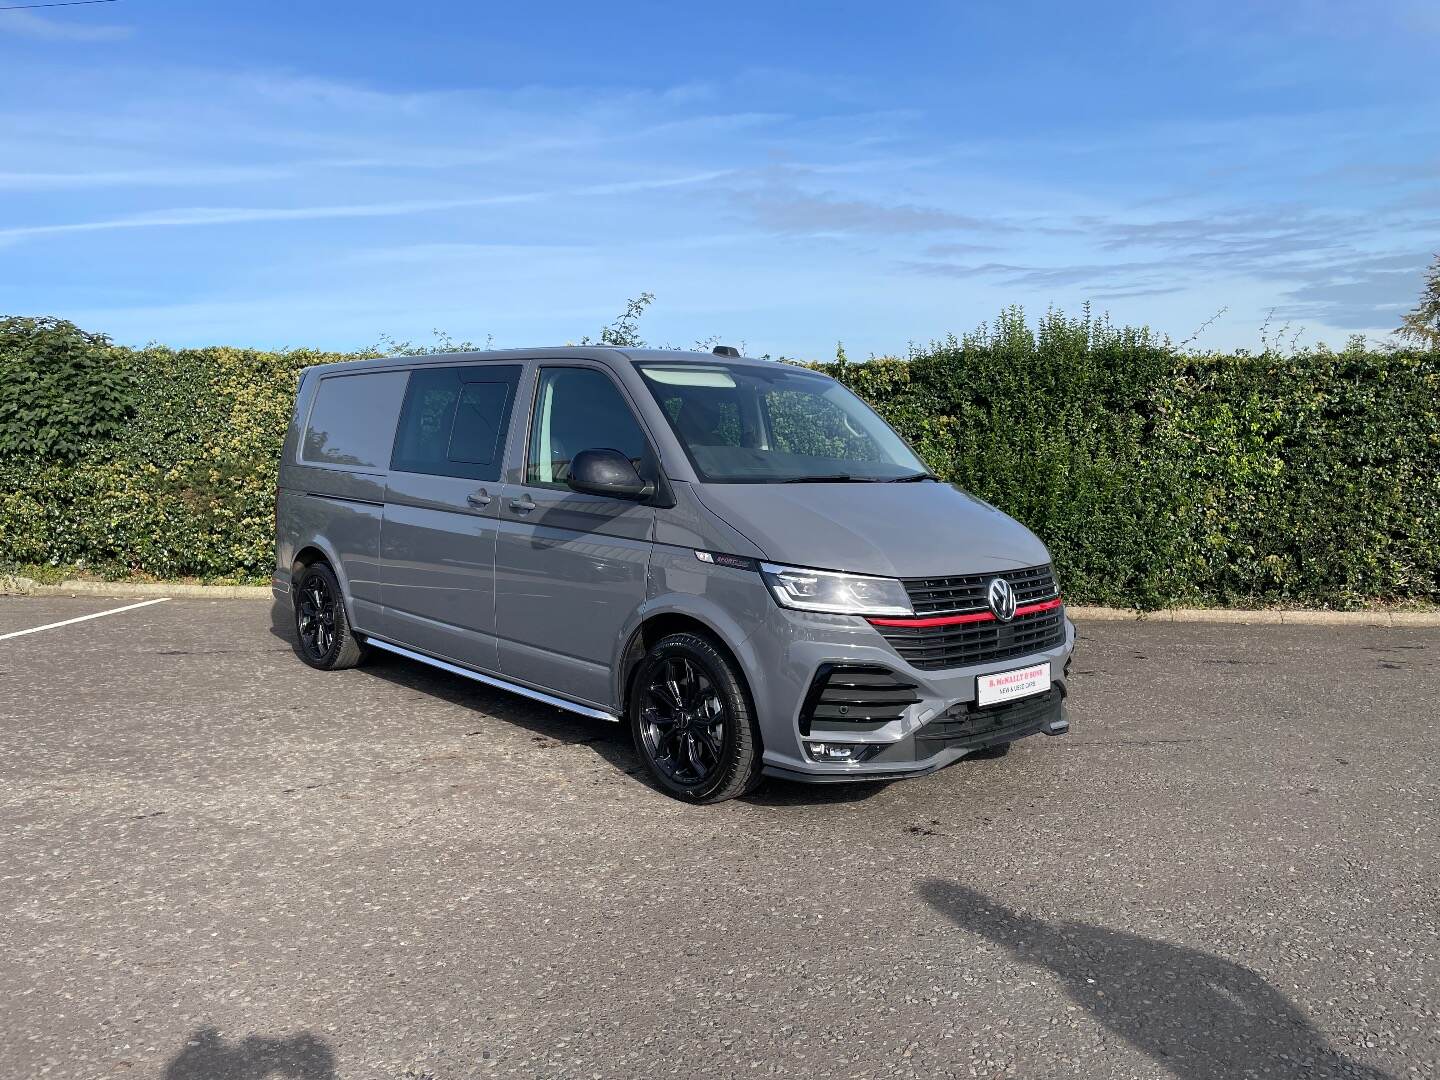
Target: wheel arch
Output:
[(313, 551), (661, 621), (307, 556)]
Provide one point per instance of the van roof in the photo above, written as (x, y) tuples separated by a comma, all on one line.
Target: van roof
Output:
[(561, 352)]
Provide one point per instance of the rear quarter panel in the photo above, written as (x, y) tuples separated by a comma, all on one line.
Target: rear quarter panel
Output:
[(337, 509)]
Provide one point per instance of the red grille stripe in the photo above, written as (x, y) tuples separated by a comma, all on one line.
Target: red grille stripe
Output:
[(1044, 605), (973, 617)]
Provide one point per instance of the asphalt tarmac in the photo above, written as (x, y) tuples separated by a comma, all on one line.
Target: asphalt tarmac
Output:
[(217, 863)]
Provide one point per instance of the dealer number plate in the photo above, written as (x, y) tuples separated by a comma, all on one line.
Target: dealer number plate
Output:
[(1009, 685)]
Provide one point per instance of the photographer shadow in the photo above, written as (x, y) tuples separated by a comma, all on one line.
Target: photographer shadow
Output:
[(1197, 1015), (207, 1056)]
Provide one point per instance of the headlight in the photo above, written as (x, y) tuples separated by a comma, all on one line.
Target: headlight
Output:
[(843, 594)]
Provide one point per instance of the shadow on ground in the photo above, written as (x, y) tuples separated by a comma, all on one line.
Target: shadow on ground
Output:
[(1198, 1016), (781, 793), (207, 1056), (609, 740)]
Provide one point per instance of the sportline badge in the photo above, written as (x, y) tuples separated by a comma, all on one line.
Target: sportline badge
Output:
[(1009, 685)]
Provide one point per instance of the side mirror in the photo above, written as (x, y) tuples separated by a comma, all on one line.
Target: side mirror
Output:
[(609, 473)]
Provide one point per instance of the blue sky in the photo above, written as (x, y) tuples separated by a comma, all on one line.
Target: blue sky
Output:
[(779, 175)]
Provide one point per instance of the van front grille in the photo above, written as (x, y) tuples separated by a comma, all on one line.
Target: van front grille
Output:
[(956, 595), (966, 644)]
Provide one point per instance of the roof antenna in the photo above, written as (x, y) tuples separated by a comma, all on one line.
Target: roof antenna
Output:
[(725, 350)]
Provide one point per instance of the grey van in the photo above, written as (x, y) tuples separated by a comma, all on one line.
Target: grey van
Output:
[(736, 557)]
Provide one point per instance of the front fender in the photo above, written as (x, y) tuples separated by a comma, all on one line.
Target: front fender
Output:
[(729, 603)]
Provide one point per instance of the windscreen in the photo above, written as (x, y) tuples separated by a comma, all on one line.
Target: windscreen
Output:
[(744, 424)]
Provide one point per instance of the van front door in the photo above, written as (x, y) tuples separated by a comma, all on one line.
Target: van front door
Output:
[(570, 569), (437, 542)]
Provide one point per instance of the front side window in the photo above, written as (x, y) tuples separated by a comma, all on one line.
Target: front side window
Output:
[(745, 424), (454, 421), (578, 409)]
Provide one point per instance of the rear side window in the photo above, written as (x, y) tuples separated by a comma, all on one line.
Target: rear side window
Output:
[(454, 421), (352, 420)]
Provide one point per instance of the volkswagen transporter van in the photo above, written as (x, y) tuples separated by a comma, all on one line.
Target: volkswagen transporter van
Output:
[(735, 557)]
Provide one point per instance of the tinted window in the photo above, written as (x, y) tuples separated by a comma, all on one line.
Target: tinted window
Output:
[(352, 420), (454, 421), (578, 409), (479, 422)]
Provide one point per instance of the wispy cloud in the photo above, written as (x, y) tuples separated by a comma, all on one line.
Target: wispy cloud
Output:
[(445, 254), (871, 210), (1089, 275), (1131, 294), (1321, 273), (28, 24), (178, 176), (791, 210), (240, 215), (1359, 293), (1270, 230), (950, 250)]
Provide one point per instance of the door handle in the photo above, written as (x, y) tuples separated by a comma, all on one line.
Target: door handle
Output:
[(523, 505), (479, 499)]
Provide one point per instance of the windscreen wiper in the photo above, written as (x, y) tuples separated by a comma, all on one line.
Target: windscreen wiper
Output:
[(914, 478), (834, 478)]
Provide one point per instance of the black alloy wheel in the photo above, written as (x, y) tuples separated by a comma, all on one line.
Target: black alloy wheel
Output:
[(321, 626), (682, 721), (315, 618), (692, 722)]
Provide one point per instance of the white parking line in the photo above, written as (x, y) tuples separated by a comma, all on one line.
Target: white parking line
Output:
[(82, 618)]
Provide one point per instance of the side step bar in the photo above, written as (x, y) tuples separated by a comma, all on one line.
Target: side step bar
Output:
[(491, 680)]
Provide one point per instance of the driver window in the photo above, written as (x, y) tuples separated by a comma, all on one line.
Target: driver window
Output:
[(578, 409)]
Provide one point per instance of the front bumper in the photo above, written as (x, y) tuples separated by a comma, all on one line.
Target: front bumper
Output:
[(939, 728)]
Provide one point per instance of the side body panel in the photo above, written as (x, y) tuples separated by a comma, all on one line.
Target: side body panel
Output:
[(334, 505), (441, 507), (438, 564), (287, 526), (347, 532), (570, 571)]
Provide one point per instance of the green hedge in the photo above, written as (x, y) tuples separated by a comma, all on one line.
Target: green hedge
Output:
[(1157, 477), (185, 487)]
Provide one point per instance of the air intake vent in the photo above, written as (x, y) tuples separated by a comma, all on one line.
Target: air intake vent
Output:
[(856, 698), (966, 725)]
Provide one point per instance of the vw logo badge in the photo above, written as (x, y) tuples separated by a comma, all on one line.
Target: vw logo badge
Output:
[(1002, 599)]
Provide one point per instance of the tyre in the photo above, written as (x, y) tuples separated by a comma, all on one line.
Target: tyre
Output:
[(322, 629), (692, 722)]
